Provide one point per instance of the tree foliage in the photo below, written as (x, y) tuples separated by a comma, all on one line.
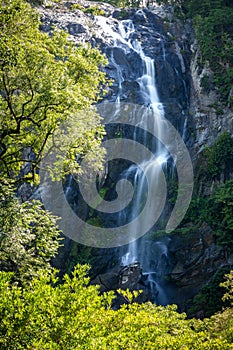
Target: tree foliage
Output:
[(125, 3), (72, 315), (29, 236), (215, 170), (219, 214), (219, 157), (214, 34), (228, 284), (209, 298), (217, 211), (213, 25), (45, 81)]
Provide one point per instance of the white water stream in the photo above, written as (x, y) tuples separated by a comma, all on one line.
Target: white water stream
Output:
[(122, 37)]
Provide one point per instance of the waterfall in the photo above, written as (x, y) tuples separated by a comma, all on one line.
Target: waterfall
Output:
[(123, 37), (146, 183)]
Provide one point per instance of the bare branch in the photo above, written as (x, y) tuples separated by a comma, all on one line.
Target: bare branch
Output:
[(38, 107)]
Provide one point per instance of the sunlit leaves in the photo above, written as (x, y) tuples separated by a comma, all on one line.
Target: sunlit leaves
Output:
[(45, 81), (73, 315), (29, 237)]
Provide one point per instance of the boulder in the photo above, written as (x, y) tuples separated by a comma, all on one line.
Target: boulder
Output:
[(128, 277)]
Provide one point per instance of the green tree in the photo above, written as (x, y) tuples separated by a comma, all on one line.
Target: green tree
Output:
[(219, 157), (228, 285), (213, 26), (220, 214), (209, 298), (45, 80), (73, 315), (221, 324), (29, 236)]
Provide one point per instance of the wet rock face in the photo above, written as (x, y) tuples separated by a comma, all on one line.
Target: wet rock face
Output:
[(171, 68), (196, 259), (157, 39), (176, 56), (211, 116), (128, 277)]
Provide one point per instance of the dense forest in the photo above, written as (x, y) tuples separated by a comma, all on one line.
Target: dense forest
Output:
[(47, 81)]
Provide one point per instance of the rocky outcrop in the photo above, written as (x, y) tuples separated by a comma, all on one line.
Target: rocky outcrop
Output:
[(196, 259), (127, 278), (162, 38), (211, 117)]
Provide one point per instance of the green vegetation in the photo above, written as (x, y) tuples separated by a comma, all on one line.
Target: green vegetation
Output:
[(47, 88), (228, 284), (29, 236), (73, 315), (212, 21), (213, 24), (214, 36), (94, 10), (209, 299), (79, 254), (46, 81), (219, 157), (206, 83), (95, 221), (37, 312), (124, 3), (215, 169), (214, 172), (219, 214), (47, 3), (217, 209)]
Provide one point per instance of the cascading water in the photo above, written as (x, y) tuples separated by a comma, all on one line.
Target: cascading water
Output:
[(124, 39), (147, 101)]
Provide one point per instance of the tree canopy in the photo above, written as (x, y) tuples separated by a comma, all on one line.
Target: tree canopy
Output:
[(29, 236), (45, 81), (73, 315)]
